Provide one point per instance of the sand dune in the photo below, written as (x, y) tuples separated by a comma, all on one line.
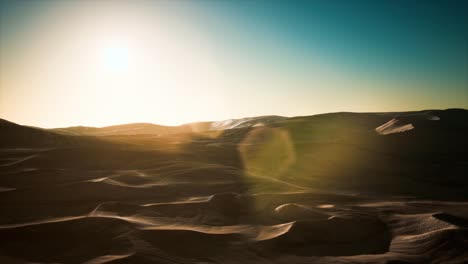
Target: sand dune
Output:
[(245, 122), (409, 237), (316, 189), (133, 129)]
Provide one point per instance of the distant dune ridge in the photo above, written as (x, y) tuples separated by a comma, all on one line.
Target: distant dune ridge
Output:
[(330, 188), (148, 128), (245, 122)]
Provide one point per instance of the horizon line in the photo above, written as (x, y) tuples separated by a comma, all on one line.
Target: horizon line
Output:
[(208, 121)]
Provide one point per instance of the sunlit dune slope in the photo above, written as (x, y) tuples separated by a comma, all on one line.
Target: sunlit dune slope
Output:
[(133, 129)]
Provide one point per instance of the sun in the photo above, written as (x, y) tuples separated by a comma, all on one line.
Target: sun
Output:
[(115, 58)]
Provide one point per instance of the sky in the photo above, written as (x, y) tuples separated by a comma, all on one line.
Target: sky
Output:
[(105, 62)]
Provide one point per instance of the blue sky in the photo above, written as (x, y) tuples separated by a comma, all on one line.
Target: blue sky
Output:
[(413, 39), (227, 59)]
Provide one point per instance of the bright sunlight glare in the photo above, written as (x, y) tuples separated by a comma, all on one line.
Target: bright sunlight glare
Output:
[(125, 65), (115, 58)]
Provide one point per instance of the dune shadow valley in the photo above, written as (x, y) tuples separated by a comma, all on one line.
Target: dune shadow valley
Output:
[(388, 188)]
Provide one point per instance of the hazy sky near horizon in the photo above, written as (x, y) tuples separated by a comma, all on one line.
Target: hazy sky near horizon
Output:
[(107, 62)]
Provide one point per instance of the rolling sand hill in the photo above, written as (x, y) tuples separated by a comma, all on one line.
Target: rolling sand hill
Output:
[(331, 188), (133, 129)]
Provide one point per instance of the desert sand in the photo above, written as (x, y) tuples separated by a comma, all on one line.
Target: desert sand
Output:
[(332, 188)]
